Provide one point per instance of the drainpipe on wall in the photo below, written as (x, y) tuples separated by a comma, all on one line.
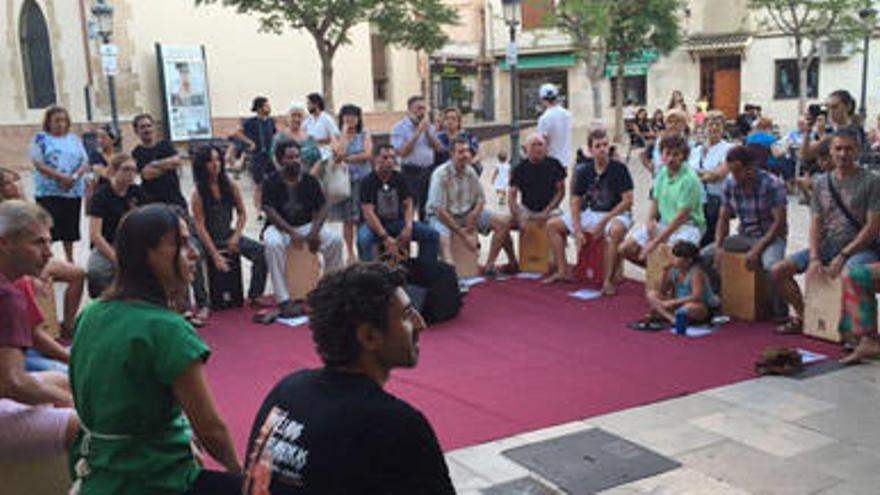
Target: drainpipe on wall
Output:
[(87, 90)]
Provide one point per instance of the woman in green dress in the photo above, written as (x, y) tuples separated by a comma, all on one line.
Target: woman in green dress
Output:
[(137, 373)]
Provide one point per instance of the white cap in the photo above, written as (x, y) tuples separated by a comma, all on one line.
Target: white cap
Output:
[(548, 91)]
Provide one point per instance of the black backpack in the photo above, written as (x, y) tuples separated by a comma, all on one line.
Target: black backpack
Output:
[(433, 289)]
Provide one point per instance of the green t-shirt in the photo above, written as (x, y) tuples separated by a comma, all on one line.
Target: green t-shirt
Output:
[(683, 190), (125, 359)]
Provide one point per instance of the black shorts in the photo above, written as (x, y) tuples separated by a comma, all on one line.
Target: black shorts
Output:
[(65, 214), (260, 164)]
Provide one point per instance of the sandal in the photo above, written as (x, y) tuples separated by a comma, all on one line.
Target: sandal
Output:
[(793, 326)]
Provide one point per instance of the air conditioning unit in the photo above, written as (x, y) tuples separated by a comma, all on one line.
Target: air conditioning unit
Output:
[(835, 50)]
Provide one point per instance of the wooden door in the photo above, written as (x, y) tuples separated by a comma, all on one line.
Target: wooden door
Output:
[(726, 92)]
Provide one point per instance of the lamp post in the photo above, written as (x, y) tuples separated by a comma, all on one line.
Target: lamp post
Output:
[(867, 15), (512, 14), (103, 15)]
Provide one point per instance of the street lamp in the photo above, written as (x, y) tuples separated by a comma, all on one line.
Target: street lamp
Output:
[(867, 15), (103, 16), (512, 14)]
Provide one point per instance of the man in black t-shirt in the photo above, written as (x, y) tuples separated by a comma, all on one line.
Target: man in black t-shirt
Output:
[(295, 208), (387, 207), (158, 164), (257, 133), (334, 430), (600, 204), (541, 180)]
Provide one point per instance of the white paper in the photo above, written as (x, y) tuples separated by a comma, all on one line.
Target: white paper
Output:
[(808, 357), (585, 294), (293, 322), (529, 275), (471, 281), (697, 331)]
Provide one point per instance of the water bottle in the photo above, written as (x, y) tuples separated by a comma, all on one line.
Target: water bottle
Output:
[(681, 321)]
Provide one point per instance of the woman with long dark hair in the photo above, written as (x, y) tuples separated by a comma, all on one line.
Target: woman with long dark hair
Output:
[(138, 374), (212, 203), (354, 147)]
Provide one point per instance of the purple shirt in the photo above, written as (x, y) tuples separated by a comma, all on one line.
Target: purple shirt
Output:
[(14, 329), (754, 207)]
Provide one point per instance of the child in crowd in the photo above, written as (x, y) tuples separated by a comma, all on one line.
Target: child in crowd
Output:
[(501, 177), (685, 293)]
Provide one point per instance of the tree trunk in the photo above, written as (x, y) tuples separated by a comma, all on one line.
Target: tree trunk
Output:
[(596, 90), (802, 66), (618, 97)]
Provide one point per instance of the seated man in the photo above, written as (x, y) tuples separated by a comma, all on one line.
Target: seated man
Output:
[(759, 200), (55, 270), (388, 211), (27, 427), (601, 204), (295, 208), (456, 206), (845, 221), (676, 199), (541, 180), (334, 429)]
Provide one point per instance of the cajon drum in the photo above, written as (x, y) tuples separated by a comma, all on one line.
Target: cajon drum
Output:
[(744, 293), (657, 261), (590, 266), (35, 476), (303, 271), (48, 306), (467, 262), (534, 247), (822, 306)]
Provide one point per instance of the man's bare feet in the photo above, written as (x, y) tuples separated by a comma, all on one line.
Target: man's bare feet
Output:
[(609, 289), (868, 348), (557, 278)]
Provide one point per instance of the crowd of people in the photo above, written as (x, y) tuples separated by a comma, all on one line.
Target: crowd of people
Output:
[(130, 400)]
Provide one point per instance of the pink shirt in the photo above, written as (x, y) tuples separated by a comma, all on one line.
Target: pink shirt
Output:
[(14, 329)]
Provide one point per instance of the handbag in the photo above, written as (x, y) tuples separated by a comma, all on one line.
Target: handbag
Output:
[(337, 181)]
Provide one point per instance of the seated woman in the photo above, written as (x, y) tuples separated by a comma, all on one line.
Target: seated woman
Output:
[(212, 204), (685, 289), (859, 318), (137, 430), (111, 201)]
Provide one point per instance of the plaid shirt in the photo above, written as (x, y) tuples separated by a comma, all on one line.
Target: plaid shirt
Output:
[(754, 207)]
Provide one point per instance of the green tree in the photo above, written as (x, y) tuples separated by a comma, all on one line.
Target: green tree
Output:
[(637, 26), (808, 23), (414, 24), (586, 22)]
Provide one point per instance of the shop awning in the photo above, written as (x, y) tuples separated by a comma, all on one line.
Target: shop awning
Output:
[(637, 65), (717, 42), (541, 61)]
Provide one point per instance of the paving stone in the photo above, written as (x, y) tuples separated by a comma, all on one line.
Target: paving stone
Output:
[(757, 472), (522, 486), (763, 432), (766, 398), (844, 460), (682, 481), (590, 461)]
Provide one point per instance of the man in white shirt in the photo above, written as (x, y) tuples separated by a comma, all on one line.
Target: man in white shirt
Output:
[(555, 125), (319, 125)]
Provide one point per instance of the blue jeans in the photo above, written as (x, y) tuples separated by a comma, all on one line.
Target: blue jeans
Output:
[(801, 259), (35, 361), (421, 233)]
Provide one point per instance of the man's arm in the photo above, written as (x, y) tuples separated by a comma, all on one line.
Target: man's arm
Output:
[(557, 198), (626, 202), (867, 235), (369, 211), (158, 168), (779, 219), (278, 221), (722, 228), (18, 385), (681, 217), (239, 133), (49, 347)]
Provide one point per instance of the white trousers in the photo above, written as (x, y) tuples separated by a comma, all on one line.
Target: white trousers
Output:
[(276, 243)]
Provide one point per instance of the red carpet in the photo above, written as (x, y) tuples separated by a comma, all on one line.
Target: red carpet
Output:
[(518, 358)]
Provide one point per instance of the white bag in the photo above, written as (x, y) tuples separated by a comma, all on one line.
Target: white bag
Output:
[(337, 182)]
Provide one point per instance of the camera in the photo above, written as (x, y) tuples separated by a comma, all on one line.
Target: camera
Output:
[(816, 110)]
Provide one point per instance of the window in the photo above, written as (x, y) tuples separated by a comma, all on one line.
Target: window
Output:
[(529, 83), (36, 54), (635, 88), (534, 12), (788, 80), (380, 68)]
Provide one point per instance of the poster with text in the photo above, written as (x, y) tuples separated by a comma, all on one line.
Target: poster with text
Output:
[(185, 88)]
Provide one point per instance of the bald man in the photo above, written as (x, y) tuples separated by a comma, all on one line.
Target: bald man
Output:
[(540, 179)]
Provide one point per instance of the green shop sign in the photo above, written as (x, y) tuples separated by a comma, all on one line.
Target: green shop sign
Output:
[(637, 65)]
